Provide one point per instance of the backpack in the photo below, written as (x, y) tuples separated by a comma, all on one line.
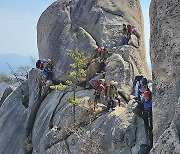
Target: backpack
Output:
[(144, 149), (144, 85), (38, 63), (130, 29), (137, 79), (136, 85), (100, 50), (96, 85)]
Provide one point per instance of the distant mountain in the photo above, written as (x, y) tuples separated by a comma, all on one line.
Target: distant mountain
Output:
[(14, 60)]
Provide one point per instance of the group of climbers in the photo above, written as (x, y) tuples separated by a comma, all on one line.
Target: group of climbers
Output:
[(127, 32), (46, 67), (143, 96), (109, 91)]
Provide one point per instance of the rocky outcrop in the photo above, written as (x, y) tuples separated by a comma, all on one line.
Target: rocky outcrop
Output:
[(12, 121), (6, 93), (43, 122), (46, 125), (86, 25), (165, 56)]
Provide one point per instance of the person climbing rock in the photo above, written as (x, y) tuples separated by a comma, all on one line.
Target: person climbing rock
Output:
[(49, 70), (125, 34), (38, 64), (144, 85), (136, 86), (140, 86), (147, 115), (111, 95), (43, 62), (101, 67), (103, 52), (130, 31), (99, 89)]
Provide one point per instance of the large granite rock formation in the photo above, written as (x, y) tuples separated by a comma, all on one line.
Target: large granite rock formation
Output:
[(45, 125), (82, 24), (40, 120), (165, 56)]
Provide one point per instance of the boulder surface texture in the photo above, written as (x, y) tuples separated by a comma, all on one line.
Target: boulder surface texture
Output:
[(165, 56)]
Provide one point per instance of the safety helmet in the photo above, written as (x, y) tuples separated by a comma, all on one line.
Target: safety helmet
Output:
[(105, 46), (147, 94), (115, 83), (102, 80), (49, 60), (44, 60), (112, 82)]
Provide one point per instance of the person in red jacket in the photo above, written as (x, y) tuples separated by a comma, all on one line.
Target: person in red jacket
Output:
[(99, 89), (130, 31)]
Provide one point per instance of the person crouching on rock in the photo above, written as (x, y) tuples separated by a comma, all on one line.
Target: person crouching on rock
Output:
[(49, 70), (147, 115), (111, 95)]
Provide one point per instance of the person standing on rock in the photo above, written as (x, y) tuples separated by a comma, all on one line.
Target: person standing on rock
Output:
[(99, 89), (111, 95), (43, 62), (125, 34), (140, 86), (147, 115), (103, 54), (38, 64), (49, 70)]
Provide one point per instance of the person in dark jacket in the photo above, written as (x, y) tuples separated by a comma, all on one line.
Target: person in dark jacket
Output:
[(38, 64), (147, 114), (49, 70), (125, 34)]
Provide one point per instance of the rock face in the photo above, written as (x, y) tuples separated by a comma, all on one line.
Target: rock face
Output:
[(82, 24), (12, 123), (165, 55), (6, 93), (46, 125), (40, 121)]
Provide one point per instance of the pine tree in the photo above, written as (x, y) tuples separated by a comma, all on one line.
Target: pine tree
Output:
[(77, 75)]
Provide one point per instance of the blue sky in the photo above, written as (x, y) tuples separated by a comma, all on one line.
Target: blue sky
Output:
[(18, 19)]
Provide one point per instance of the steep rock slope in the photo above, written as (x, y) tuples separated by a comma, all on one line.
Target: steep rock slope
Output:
[(47, 126), (86, 25), (165, 56)]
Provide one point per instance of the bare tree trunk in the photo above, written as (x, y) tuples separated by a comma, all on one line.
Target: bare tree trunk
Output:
[(74, 107)]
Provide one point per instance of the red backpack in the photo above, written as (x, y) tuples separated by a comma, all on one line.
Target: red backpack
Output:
[(100, 50), (96, 85), (130, 29)]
